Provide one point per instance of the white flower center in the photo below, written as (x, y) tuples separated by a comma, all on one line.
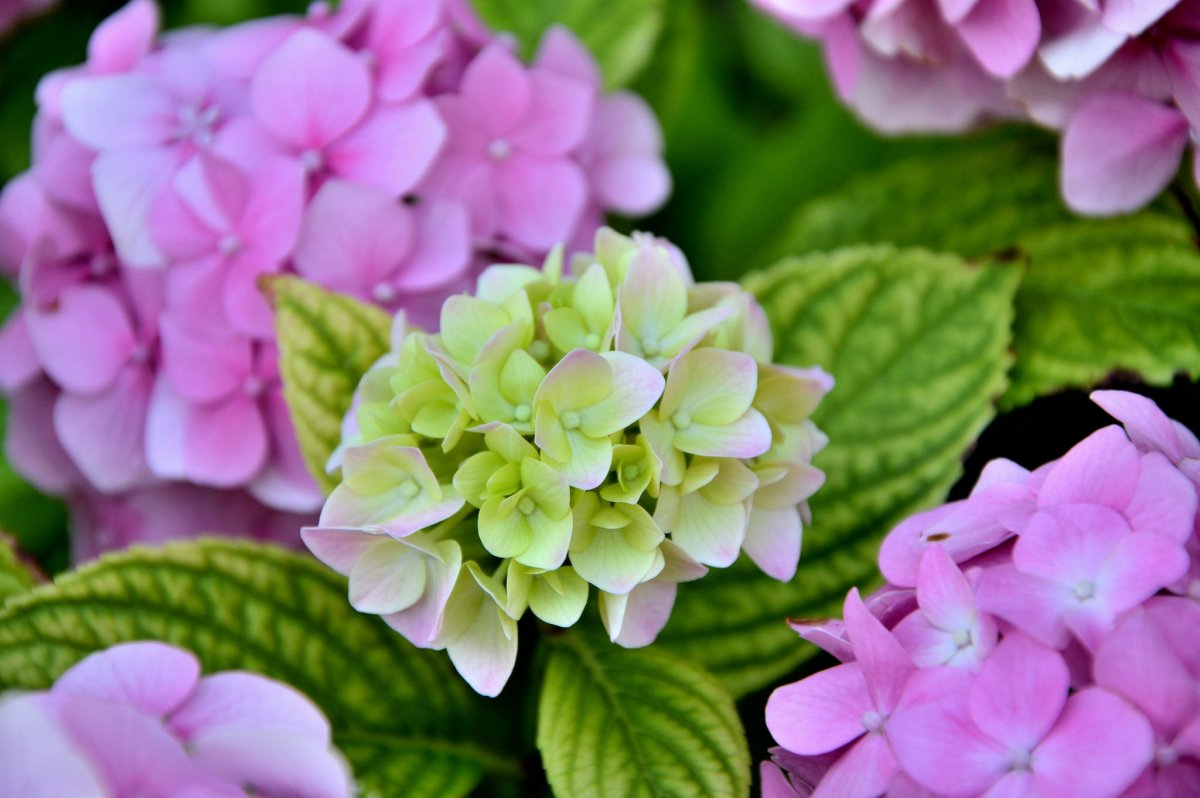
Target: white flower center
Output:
[(196, 122), (1085, 590), (312, 161), (1019, 759), (499, 149), (962, 638), (252, 386), (872, 721), (229, 244), (1166, 756), (101, 264), (384, 293)]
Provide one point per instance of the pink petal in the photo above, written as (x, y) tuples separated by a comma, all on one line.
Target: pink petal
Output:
[(442, 251), (393, 148), (1138, 567), (943, 592), (1069, 543), (1095, 470), (774, 782), (1032, 604), (560, 52), (1164, 501), (285, 482), (1145, 424), (311, 90), (499, 87), (559, 115), (353, 237), (402, 73), (885, 665), (1002, 34), (1137, 663), (964, 528), (631, 184), (175, 229), (85, 340), (31, 444), (647, 610), (123, 38), (1097, 748), (203, 367), (1119, 151), (863, 772), (19, 363), (151, 677), (820, 713), (1132, 17), (64, 167), (105, 433), (1019, 692), (131, 110), (1079, 52), (226, 442), (246, 306), (540, 199), (1182, 60)]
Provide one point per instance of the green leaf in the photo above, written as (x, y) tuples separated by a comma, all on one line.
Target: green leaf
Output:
[(620, 33), (15, 577), (918, 344), (1122, 294), (401, 715), (624, 723), (327, 341)]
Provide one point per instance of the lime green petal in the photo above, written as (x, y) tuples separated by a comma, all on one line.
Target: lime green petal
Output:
[(520, 378), (517, 584), (472, 476), (435, 420), (734, 484), (497, 283), (558, 597), (613, 252), (467, 324), (566, 330), (551, 540), (636, 386), (503, 534), (594, 300), (661, 437), (547, 487), (688, 332), (611, 564), (588, 460), (749, 436), (711, 534), (549, 434), (702, 471), (641, 533), (653, 298), (505, 480), (508, 443)]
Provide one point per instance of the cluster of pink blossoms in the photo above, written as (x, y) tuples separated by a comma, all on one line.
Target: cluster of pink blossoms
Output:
[(14, 11), (1038, 638), (1121, 78), (137, 719), (384, 150)]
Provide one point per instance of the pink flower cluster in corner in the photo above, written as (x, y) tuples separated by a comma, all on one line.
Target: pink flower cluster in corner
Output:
[(1038, 638), (386, 150), (138, 719), (15, 11), (1120, 79)]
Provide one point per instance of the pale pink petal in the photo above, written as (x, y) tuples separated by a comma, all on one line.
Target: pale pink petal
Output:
[(1095, 470), (126, 182), (647, 610), (1032, 604), (40, 759), (270, 220), (820, 713), (19, 363), (1145, 424), (273, 762), (393, 148), (105, 433), (1080, 51), (132, 110), (213, 189), (31, 444), (176, 231), (1132, 17), (338, 547), (1069, 543), (226, 442), (311, 90), (245, 305), (540, 199), (774, 782), (631, 184), (1136, 662), (1097, 748), (83, 341), (403, 72), (151, 677), (943, 592), (285, 482), (1002, 34), (1182, 60), (247, 701), (560, 52), (500, 88), (1164, 502), (773, 541), (1019, 692), (1119, 151), (63, 166)]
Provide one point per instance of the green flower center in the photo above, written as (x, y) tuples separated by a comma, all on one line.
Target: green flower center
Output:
[(526, 505), (681, 420), (630, 472), (408, 489), (650, 347), (521, 412), (592, 341), (570, 420), (539, 351)]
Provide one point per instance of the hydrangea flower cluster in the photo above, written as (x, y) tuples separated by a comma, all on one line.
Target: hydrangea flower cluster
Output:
[(138, 719), (385, 150), (14, 11), (1037, 638), (609, 426), (1120, 79)]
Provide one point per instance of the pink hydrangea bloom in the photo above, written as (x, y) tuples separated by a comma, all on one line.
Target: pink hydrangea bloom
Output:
[(385, 150), (138, 719), (1120, 79), (1038, 640), (14, 11)]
